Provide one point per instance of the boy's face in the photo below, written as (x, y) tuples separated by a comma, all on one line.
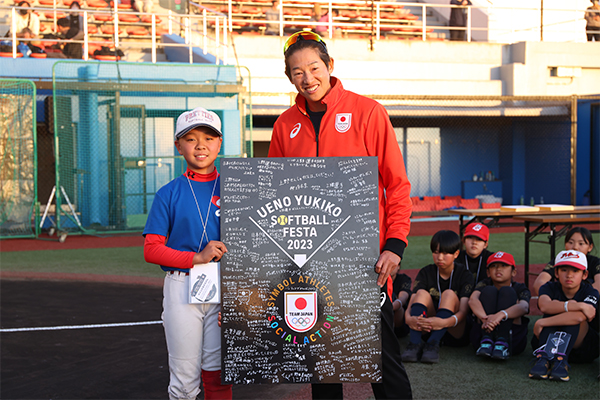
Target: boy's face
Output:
[(570, 277), (500, 272), (200, 148), (444, 260), (63, 29), (474, 246)]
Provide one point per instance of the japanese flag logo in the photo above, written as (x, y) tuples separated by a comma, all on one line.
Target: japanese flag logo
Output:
[(343, 122), (301, 310)]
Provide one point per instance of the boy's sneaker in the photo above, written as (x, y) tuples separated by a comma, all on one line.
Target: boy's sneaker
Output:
[(431, 353), (500, 351), (542, 366), (560, 369), (412, 352), (485, 347)]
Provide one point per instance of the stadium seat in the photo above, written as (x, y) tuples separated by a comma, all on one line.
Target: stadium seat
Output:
[(446, 204), (490, 205), (106, 58), (469, 204), (97, 4), (50, 14), (38, 55), (161, 31), (148, 19), (137, 31), (103, 17), (46, 2), (434, 199), (415, 200), (128, 18), (92, 29), (109, 29)]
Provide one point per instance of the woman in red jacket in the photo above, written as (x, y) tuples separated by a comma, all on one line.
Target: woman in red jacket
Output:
[(329, 121)]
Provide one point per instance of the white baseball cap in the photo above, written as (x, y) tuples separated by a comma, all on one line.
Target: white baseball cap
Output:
[(572, 258), (195, 118)]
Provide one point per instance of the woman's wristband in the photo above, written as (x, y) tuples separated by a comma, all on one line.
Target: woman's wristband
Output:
[(505, 315), (399, 301)]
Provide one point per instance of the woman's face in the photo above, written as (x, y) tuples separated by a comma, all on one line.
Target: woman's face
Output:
[(311, 76)]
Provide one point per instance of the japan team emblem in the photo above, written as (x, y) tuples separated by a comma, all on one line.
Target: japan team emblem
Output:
[(300, 310), (343, 122)]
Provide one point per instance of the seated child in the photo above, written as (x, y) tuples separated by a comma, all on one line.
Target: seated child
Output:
[(401, 295), (439, 304), (565, 332), (500, 305), (580, 239), (475, 253)]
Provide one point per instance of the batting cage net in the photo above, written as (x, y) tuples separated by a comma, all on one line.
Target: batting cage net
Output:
[(114, 126), (18, 191)]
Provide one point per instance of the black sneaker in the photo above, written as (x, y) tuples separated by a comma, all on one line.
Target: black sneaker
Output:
[(485, 347), (412, 352), (560, 369), (542, 366), (500, 351), (431, 353)]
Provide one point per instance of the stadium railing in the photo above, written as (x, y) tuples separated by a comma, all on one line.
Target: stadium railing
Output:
[(211, 24)]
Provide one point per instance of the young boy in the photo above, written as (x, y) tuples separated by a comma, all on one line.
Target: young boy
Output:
[(565, 332), (183, 229), (500, 305), (439, 303), (475, 253)]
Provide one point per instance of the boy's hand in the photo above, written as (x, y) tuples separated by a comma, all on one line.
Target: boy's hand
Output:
[(213, 251), (537, 328), (432, 324), (387, 264), (413, 322), (219, 320)]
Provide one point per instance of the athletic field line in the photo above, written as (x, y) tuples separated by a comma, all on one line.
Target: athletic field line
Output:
[(64, 327)]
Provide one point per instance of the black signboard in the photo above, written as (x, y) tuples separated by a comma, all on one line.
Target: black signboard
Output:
[(300, 301)]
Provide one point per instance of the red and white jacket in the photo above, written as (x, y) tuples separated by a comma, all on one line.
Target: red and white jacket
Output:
[(353, 126)]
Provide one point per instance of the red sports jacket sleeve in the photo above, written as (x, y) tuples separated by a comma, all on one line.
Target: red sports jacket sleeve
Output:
[(157, 252)]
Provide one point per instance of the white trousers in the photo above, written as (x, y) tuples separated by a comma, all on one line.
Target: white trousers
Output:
[(193, 337)]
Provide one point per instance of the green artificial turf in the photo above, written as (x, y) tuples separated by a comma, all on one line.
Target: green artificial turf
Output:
[(462, 375), (130, 260)]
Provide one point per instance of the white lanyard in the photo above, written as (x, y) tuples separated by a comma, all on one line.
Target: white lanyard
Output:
[(202, 221), (438, 283)]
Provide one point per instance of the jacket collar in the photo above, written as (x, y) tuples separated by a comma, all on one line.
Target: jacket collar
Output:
[(330, 98)]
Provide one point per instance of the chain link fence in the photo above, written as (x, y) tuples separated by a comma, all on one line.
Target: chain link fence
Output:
[(114, 126), (18, 167), (491, 150)]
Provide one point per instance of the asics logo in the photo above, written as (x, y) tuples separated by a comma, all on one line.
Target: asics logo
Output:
[(295, 131)]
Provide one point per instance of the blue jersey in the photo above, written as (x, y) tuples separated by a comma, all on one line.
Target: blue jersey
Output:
[(174, 213)]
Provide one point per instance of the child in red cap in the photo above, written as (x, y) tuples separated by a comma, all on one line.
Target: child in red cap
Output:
[(475, 253), (566, 331), (499, 305)]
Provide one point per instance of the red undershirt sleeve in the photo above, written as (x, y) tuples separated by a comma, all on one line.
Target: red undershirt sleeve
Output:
[(157, 252)]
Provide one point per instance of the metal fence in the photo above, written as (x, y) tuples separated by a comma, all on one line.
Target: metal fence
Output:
[(18, 162), (114, 125), (503, 150)]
